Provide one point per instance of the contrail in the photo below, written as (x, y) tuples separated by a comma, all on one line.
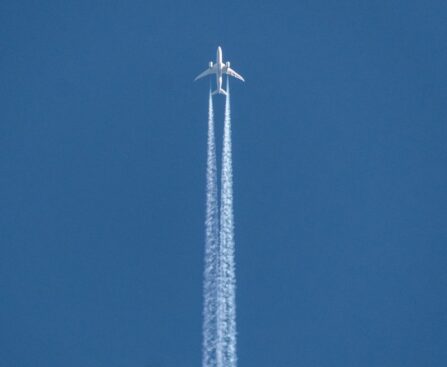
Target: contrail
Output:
[(219, 310), (210, 286), (226, 314)]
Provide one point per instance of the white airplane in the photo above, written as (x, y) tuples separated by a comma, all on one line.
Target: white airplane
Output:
[(219, 68)]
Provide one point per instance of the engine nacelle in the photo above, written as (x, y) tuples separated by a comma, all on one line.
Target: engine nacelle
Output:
[(228, 64), (211, 64)]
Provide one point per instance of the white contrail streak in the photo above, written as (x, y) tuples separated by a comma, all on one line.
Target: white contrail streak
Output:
[(219, 310), (210, 286), (226, 315)]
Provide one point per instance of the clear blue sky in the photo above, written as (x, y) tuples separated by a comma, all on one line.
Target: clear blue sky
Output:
[(340, 163)]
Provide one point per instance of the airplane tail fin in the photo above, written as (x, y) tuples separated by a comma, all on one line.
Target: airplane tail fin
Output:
[(219, 91)]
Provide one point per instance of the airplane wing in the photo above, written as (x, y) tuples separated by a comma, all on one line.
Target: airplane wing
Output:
[(232, 73), (208, 71)]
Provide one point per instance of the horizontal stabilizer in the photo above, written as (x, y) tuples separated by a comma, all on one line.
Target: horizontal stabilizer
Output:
[(219, 91)]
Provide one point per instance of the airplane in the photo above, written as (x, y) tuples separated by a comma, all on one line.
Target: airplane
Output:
[(219, 68)]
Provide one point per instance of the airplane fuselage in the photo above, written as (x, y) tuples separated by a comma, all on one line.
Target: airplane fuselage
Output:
[(220, 65)]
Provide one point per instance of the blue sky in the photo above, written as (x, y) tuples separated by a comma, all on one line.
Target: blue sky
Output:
[(340, 181)]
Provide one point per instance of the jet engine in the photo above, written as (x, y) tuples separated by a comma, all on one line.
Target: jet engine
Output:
[(211, 64), (228, 64)]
